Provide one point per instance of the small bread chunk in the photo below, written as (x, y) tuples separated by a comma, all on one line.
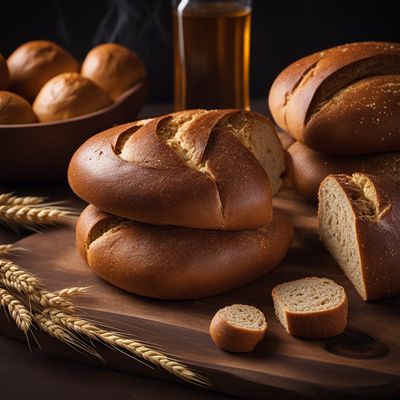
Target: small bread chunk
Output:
[(311, 307), (238, 328)]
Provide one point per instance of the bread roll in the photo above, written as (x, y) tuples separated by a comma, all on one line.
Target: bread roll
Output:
[(178, 263), (4, 74), (34, 63), (238, 328), (307, 168), (114, 68), (201, 169), (15, 110), (314, 308), (341, 101), (67, 96), (359, 223)]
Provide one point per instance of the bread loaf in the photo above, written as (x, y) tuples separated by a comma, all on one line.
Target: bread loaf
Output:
[(201, 169), (15, 110), (113, 67), (34, 63), (307, 168), (238, 328), (343, 100), (67, 96), (359, 223), (4, 73), (178, 263), (314, 308)]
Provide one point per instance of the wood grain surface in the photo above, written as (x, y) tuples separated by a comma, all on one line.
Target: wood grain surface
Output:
[(363, 362)]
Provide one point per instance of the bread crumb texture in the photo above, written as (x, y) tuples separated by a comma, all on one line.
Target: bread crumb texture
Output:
[(243, 316)]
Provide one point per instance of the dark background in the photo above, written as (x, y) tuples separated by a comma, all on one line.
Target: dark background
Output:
[(282, 31)]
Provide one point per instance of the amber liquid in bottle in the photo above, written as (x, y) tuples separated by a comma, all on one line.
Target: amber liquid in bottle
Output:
[(211, 54)]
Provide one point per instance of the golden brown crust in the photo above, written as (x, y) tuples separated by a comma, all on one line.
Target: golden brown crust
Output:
[(378, 236), (320, 99), (69, 95), (4, 73), (133, 172), (114, 68), (307, 168), (178, 263), (318, 325), (34, 63), (234, 338), (15, 110)]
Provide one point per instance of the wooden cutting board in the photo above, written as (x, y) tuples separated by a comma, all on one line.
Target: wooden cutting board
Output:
[(363, 362)]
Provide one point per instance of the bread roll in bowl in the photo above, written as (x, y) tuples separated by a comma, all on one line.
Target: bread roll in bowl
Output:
[(201, 169), (67, 96), (178, 263), (4, 73), (15, 110), (113, 67), (342, 101), (34, 63)]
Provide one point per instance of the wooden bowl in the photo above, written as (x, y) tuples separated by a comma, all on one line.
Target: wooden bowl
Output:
[(41, 151)]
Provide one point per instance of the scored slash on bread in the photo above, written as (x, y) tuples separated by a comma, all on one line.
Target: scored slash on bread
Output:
[(311, 307), (359, 223), (238, 328), (200, 169), (342, 100)]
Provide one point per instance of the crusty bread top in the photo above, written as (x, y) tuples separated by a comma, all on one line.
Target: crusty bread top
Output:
[(113, 67), (69, 95), (243, 316), (34, 63), (304, 87), (309, 295), (196, 168)]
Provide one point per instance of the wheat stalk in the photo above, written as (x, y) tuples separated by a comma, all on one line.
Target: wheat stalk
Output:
[(11, 200), (71, 292), (32, 217), (15, 277), (5, 248), (16, 309), (85, 328)]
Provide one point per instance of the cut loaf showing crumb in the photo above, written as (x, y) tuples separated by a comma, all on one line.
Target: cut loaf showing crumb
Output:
[(359, 223), (238, 328), (311, 307)]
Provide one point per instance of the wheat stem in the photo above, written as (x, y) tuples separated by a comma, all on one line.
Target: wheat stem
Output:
[(85, 328), (16, 309)]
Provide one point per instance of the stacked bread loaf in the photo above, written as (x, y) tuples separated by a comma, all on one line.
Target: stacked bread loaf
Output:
[(342, 106), (181, 205)]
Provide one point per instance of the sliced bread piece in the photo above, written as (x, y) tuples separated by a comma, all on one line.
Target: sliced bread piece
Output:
[(359, 223), (311, 307), (238, 328)]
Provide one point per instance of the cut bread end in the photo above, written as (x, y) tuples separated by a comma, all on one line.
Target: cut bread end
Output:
[(238, 328), (311, 307), (343, 200)]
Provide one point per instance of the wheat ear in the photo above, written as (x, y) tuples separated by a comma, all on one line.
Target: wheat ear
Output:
[(19, 313), (16, 278), (32, 217), (5, 248), (71, 292), (11, 200), (114, 340)]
